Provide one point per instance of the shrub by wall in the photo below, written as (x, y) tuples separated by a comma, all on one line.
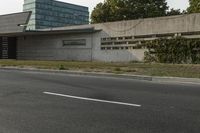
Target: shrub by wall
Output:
[(175, 50)]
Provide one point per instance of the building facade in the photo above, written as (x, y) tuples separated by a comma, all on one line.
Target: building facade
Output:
[(51, 13), (108, 42), (10, 26)]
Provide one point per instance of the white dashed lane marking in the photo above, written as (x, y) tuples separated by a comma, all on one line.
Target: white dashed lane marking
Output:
[(91, 99)]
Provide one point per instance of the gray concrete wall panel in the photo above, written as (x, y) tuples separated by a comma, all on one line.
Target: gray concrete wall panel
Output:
[(51, 48), (10, 23), (159, 25)]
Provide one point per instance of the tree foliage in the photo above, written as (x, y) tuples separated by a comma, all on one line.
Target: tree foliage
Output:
[(173, 11), (114, 10), (194, 6), (175, 50)]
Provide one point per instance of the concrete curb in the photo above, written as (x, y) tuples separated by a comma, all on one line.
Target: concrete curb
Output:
[(176, 79), (124, 76)]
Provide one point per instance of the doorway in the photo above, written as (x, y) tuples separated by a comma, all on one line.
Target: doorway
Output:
[(8, 47)]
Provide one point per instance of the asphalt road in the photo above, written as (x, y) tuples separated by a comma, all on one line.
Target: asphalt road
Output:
[(32, 102)]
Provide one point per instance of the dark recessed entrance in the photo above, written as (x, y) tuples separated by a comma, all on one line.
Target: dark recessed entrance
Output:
[(8, 47)]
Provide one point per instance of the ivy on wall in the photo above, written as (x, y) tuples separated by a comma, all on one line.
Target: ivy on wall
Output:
[(176, 50)]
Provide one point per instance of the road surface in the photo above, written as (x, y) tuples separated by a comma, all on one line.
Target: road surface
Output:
[(33, 102)]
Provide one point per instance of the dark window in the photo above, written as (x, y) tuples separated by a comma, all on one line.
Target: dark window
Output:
[(128, 37), (103, 48), (120, 38), (115, 48), (106, 43), (113, 38), (119, 43)]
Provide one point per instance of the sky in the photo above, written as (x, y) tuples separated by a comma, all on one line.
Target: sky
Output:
[(12, 6)]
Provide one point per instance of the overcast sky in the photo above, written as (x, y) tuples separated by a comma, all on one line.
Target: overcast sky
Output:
[(11, 6)]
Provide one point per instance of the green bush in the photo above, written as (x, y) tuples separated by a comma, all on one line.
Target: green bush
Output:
[(61, 67), (117, 69), (176, 50)]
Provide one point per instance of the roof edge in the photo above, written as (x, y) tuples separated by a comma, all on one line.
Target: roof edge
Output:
[(15, 13)]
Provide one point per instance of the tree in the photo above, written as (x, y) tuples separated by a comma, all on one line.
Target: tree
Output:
[(115, 10), (194, 6), (108, 11), (174, 12), (99, 13)]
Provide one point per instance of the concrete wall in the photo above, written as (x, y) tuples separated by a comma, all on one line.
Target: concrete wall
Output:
[(114, 55), (159, 25), (150, 26), (51, 48)]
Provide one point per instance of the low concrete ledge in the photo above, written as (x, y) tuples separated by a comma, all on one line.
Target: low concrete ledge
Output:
[(176, 79), (125, 76)]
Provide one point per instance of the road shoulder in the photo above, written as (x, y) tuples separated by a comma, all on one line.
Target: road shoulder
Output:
[(123, 76)]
